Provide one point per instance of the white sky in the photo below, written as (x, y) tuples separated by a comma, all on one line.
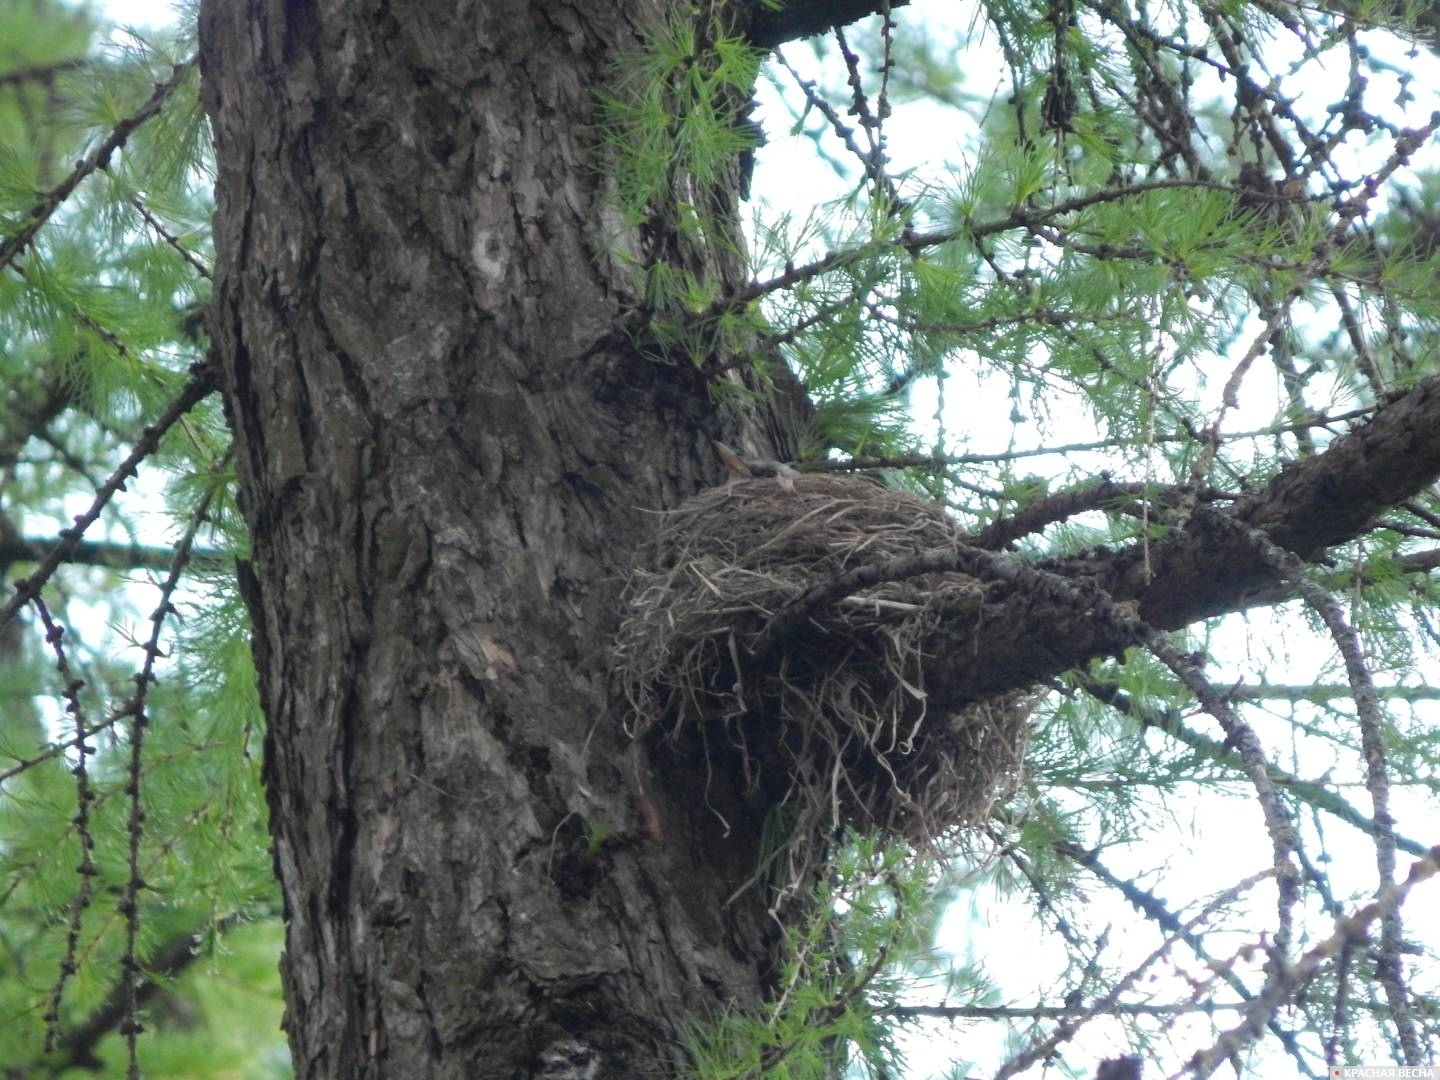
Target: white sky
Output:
[(138, 13)]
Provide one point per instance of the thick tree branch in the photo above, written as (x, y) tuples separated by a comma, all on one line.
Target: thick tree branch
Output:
[(1312, 505), (1199, 570), (771, 25)]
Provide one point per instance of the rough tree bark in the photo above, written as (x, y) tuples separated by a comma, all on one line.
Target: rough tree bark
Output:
[(447, 454)]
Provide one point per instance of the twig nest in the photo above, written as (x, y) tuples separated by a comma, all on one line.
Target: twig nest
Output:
[(831, 718)]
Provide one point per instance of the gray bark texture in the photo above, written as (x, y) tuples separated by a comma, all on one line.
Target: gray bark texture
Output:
[(447, 455)]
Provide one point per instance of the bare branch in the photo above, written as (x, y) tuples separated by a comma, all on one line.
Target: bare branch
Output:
[(1067, 1028), (1349, 930), (1193, 573), (1157, 912), (938, 462), (1172, 723)]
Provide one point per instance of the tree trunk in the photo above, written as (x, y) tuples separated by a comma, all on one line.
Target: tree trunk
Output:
[(447, 455), (448, 452)]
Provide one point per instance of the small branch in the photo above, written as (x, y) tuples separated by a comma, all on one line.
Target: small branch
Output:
[(129, 905), (1063, 505), (15, 549), (1043, 894), (168, 960), (1067, 1028), (1321, 692), (1389, 969), (61, 746), (937, 462), (200, 385), (872, 165), (1003, 532), (1171, 722), (915, 243), (1060, 1012), (41, 73), (1349, 931), (96, 160), (1156, 911), (191, 259)]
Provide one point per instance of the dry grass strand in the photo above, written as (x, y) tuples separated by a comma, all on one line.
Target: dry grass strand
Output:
[(833, 722)]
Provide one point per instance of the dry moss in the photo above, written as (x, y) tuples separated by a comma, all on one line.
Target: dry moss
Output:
[(832, 720)]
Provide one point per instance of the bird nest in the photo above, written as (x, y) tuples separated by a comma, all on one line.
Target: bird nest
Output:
[(830, 717)]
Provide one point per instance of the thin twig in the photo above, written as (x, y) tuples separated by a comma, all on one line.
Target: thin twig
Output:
[(1389, 969), (1349, 931), (84, 801)]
